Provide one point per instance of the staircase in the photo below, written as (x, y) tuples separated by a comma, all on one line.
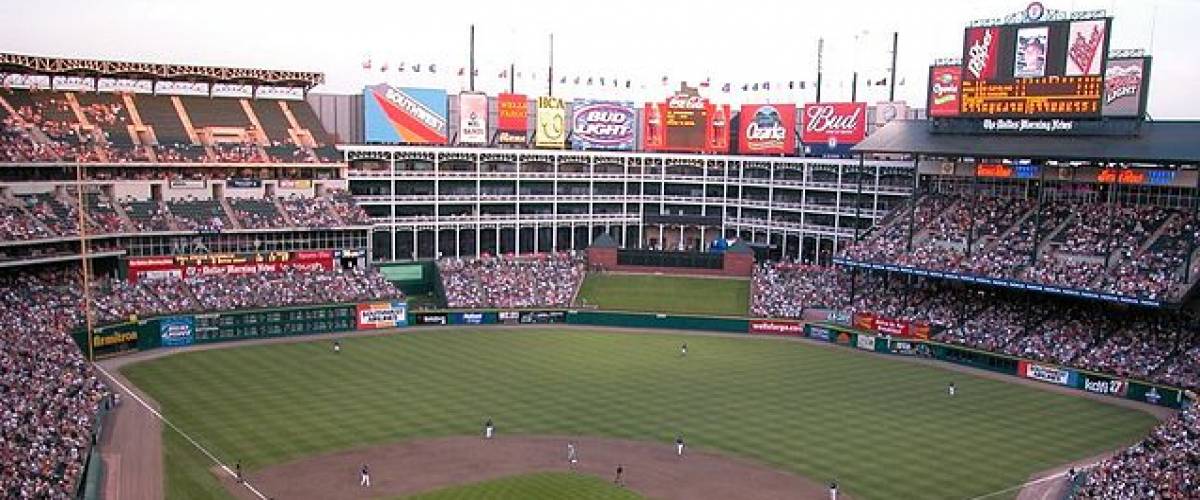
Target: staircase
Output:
[(283, 213), (186, 121), (229, 212), (1047, 239), (126, 222)]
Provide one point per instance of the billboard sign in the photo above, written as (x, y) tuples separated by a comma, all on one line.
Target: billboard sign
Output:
[(373, 315), (1044, 373), (686, 123), (1035, 69), (767, 129), (472, 119), (776, 327), (513, 114), (215, 264), (551, 129), (833, 123), (602, 125), (1125, 83), (405, 115), (177, 331), (945, 86)]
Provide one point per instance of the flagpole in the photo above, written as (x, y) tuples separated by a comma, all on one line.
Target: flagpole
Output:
[(472, 60), (820, 55), (550, 71), (892, 82)]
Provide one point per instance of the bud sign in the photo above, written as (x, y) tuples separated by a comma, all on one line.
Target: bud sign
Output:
[(840, 123)]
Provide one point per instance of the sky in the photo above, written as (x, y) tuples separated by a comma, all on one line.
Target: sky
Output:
[(637, 40)]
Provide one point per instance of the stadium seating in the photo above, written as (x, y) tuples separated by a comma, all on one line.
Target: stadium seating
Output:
[(542, 280), (1166, 464)]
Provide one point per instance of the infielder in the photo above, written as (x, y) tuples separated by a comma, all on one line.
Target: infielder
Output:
[(951, 389), (489, 430), (365, 481), (337, 346), (683, 350), (679, 445), (572, 457)]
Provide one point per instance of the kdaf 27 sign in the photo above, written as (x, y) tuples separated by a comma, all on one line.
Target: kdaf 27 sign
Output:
[(833, 124), (767, 129), (602, 125)]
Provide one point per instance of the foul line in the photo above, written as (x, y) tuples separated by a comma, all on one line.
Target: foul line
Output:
[(1035, 481), (180, 432)]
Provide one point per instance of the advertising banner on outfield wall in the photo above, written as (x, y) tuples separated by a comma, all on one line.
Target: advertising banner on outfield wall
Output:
[(776, 327), (1048, 374), (865, 342), (472, 119), (405, 115), (891, 326), (767, 129), (551, 129), (819, 333), (508, 317), (177, 331), (431, 319), (602, 125), (472, 318), (373, 315), (1102, 385), (542, 317)]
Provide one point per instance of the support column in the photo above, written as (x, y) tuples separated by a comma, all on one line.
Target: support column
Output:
[(499, 251), (912, 206)]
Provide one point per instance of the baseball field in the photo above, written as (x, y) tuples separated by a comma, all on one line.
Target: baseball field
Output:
[(666, 294), (756, 413)]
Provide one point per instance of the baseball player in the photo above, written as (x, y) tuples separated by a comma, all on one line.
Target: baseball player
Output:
[(489, 429), (683, 350), (337, 346), (679, 445), (833, 490), (572, 456), (620, 479), (365, 481), (951, 389), (238, 467)]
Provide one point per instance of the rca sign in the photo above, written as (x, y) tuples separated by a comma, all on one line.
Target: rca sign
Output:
[(833, 123)]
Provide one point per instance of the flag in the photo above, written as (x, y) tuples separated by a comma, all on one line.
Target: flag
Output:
[(801, 84), (563, 80), (504, 74), (462, 71), (725, 88), (707, 81), (754, 88), (902, 81), (589, 81), (520, 75), (400, 68), (577, 80), (602, 81), (367, 63), (745, 87), (664, 80), (766, 85), (791, 85), (416, 68), (881, 82), (627, 83), (383, 67)]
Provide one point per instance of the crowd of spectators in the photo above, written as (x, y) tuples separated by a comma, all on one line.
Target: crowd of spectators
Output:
[(540, 280), (1166, 464), (336, 208), (1104, 247), (785, 290)]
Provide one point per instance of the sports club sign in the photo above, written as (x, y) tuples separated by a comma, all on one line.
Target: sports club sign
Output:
[(602, 125), (373, 315), (551, 129), (686, 123), (1124, 87), (833, 123), (767, 129), (945, 87), (405, 115), (472, 119), (512, 118)]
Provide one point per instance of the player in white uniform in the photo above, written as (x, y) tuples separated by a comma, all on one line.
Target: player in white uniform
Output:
[(365, 481), (833, 490), (337, 346), (572, 457), (489, 429), (679, 445), (951, 389), (683, 350)]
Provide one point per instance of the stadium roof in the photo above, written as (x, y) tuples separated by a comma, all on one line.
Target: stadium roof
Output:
[(1156, 142), (20, 63)]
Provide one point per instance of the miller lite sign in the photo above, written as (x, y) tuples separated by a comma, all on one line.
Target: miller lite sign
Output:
[(979, 59), (767, 129), (833, 123)]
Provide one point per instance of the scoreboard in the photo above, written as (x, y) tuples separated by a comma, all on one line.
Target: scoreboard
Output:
[(1052, 69)]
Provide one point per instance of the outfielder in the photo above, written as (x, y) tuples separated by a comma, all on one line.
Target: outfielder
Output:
[(683, 350), (833, 490), (951, 389), (679, 445), (572, 457), (337, 346), (365, 481), (489, 430)]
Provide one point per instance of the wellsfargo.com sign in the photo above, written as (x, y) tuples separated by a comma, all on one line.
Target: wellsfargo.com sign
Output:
[(786, 328)]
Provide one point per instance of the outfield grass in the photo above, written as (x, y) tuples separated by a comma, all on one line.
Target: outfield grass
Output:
[(667, 294), (883, 428), (545, 486)]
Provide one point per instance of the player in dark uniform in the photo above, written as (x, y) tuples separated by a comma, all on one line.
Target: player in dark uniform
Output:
[(238, 468), (620, 479)]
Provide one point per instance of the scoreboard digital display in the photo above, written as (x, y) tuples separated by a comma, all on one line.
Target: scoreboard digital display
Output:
[(1049, 69)]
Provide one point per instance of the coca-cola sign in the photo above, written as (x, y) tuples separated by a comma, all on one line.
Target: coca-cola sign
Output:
[(682, 101), (767, 129), (979, 58), (602, 125), (945, 88), (1123, 81), (833, 123)]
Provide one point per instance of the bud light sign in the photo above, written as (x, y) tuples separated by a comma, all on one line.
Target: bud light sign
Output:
[(767, 129), (602, 125), (833, 124)]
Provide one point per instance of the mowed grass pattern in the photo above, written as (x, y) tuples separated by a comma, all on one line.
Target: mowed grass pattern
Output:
[(667, 294), (883, 428), (547, 486)]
